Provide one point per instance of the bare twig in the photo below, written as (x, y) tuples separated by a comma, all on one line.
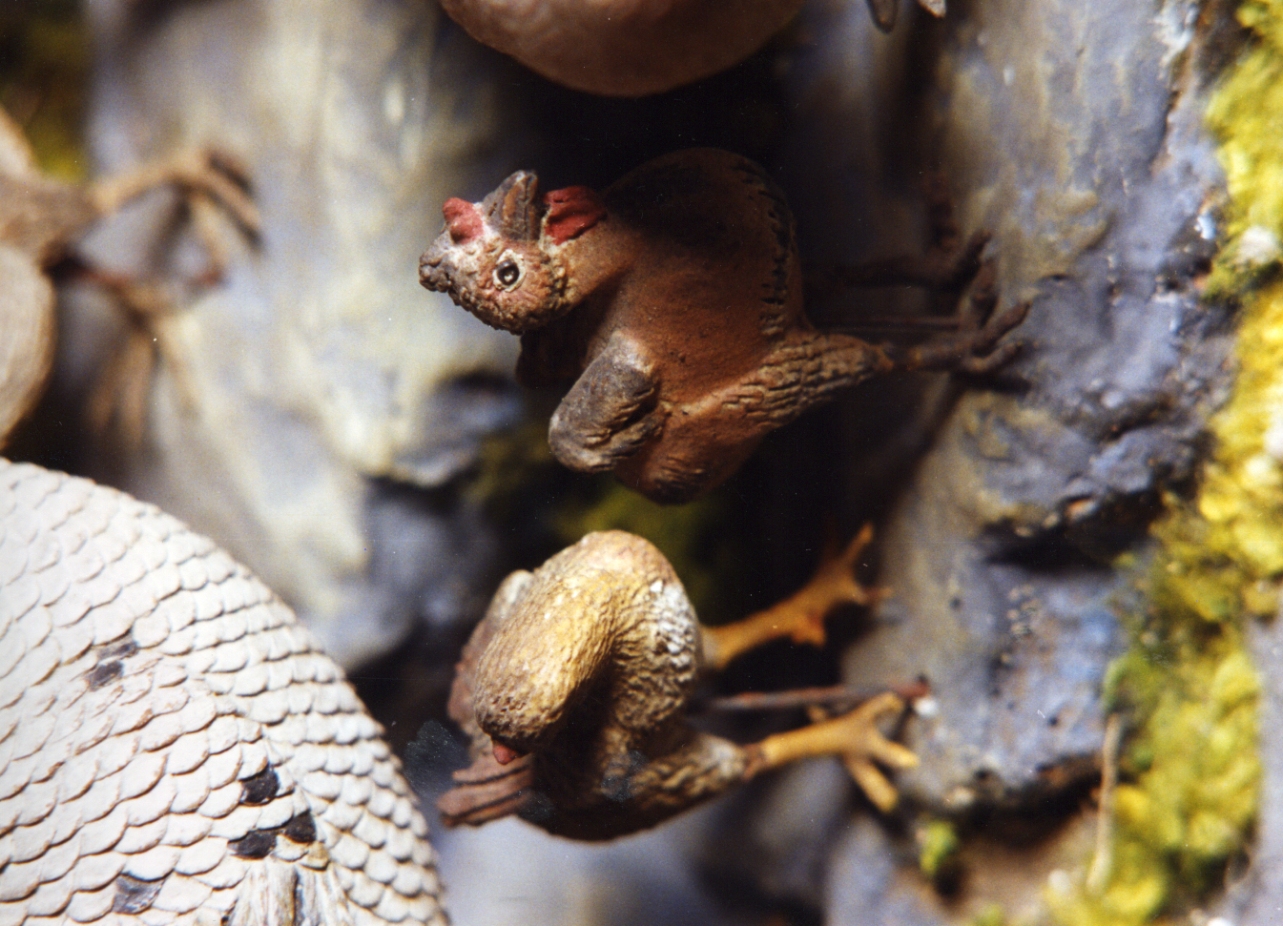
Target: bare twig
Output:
[(842, 697), (1103, 860)]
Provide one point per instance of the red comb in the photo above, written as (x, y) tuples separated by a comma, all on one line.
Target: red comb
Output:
[(571, 212), (462, 219)]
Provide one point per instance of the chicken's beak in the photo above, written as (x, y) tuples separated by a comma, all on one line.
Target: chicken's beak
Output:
[(432, 270)]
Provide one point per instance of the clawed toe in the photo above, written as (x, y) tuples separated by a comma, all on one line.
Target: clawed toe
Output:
[(980, 351), (801, 616), (988, 352), (944, 269), (1005, 321), (965, 265), (993, 361), (857, 740), (868, 746), (210, 180), (201, 170), (834, 583)]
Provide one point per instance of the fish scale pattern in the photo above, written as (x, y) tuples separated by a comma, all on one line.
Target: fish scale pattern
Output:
[(174, 747)]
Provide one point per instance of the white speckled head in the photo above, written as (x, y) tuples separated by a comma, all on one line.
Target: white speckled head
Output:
[(491, 260)]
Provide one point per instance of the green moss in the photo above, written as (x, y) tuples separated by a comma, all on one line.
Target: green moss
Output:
[(991, 915), (1190, 771), (683, 533), (938, 847), (508, 463), (522, 485), (44, 64)]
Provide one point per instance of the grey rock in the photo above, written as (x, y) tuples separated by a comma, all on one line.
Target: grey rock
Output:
[(1090, 177), (791, 824), (325, 402), (317, 373), (772, 842), (511, 873), (868, 887)]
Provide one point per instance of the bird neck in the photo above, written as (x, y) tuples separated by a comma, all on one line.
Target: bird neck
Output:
[(597, 259)]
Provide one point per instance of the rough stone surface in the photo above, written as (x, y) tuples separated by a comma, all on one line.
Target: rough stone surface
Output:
[(529, 877), (1100, 187), (329, 384), (299, 391), (1096, 182), (868, 886)]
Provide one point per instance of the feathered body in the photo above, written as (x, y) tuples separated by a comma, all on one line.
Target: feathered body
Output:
[(673, 301), (583, 669), (574, 689)]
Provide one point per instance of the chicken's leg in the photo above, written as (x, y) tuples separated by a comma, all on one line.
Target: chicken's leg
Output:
[(800, 617)]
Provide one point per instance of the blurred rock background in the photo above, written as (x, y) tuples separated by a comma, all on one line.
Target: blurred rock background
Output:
[(360, 444)]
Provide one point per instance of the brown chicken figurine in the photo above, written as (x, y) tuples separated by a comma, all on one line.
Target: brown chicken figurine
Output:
[(574, 688), (673, 301)]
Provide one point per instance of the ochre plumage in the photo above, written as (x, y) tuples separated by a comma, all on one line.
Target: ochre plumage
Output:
[(574, 691)]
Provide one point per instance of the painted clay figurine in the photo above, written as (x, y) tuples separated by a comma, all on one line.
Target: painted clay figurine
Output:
[(574, 687), (41, 218), (175, 748), (673, 300), (634, 47)]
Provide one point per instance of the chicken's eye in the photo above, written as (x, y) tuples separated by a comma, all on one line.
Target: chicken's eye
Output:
[(507, 274)]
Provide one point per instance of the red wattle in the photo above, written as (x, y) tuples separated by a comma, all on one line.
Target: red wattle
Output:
[(503, 755)]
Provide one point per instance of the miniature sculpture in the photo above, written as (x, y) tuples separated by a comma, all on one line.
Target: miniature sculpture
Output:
[(634, 47), (673, 300), (40, 218), (174, 746), (573, 692)]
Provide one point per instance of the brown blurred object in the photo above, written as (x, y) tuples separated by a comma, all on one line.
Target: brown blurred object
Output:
[(40, 218), (673, 303), (634, 47)]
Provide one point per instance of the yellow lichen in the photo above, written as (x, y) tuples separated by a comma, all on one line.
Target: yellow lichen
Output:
[(938, 847), (1191, 772), (1247, 114)]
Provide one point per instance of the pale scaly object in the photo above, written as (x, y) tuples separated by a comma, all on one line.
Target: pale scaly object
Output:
[(174, 748)]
